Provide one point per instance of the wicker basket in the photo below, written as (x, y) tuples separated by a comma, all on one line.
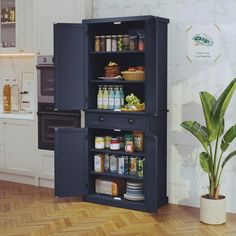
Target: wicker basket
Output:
[(133, 75)]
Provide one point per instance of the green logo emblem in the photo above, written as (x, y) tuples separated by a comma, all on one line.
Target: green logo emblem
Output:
[(203, 39)]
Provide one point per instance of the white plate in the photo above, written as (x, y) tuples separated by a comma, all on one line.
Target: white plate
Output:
[(133, 198)]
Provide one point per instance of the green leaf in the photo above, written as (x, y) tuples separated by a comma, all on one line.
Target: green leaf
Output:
[(205, 162), (232, 154), (200, 132), (223, 102), (229, 136), (208, 102)]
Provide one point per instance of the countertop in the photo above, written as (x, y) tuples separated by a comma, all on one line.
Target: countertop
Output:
[(18, 115)]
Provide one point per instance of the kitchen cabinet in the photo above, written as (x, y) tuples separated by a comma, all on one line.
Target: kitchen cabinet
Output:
[(16, 26), (77, 68), (20, 147), (48, 12), (1, 146), (46, 164)]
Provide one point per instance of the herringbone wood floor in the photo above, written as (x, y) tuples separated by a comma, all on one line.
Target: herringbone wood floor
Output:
[(33, 211)]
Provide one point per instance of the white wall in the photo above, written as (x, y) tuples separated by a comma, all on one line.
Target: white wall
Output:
[(186, 181)]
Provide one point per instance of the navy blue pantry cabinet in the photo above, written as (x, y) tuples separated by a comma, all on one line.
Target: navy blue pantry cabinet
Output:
[(77, 68)]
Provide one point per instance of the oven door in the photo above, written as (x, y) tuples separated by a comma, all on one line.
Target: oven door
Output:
[(45, 83), (48, 121)]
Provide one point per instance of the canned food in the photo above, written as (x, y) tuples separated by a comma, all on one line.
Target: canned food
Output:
[(99, 142), (140, 164), (133, 165)]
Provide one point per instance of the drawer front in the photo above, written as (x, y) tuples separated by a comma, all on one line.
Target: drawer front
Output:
[(116, 121)]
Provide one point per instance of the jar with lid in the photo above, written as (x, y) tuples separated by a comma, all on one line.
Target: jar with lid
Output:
[(119, 43), (108, 43), (97, 43), (141, 42), (125, 42), (114, 43), (99, 142), (102, 43), (115, 144), (133, 43)]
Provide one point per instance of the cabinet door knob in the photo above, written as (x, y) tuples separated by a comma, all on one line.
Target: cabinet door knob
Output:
[(101, 118), (131, 121)]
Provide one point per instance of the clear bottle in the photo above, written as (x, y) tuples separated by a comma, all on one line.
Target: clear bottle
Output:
[(111, 100), (122, 97), (105, 98), (7, 96), (99, 97), (117, 98), (14, 96)]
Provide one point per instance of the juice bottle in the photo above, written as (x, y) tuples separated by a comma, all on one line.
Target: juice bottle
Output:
[(105, 98), (111, 101), (117, 98), (7, 96), (99, 98)]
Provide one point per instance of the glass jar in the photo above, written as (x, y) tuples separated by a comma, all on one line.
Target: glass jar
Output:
[(102, 43), (119, 43), (141, 42), (108, 43), (114, 43), (99, 142), (115, 144), (125, 41), (97, 43), (133, 43)]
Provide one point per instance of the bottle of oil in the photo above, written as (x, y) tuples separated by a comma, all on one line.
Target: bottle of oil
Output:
[(14, 96), (7, 96)]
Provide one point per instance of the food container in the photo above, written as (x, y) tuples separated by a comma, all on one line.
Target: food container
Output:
[(108, 43), (133, 43), (106, 163), (121, 165), (107, 141), (126, 165), (98, 163), (114, 43), (133, 75), (138, 141), (119, 43), (99, 142), (97, 43), (133, 165), (113, 164), (141, 42), (129, 143), (125, 46), (115, 144), (140, 166), (102, 43)]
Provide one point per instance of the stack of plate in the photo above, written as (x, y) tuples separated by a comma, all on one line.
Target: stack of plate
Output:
[(134, 191)]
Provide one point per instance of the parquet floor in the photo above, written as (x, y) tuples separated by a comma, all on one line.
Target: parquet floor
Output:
[(33, 211)]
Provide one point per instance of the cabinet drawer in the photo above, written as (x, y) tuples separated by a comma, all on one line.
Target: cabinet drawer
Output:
[(116, 121)]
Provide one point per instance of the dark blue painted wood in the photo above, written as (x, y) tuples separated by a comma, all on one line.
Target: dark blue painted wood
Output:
[(70, 162), (69, 65)]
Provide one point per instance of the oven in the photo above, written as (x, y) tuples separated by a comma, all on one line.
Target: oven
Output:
[(49, 119), (45, 79)]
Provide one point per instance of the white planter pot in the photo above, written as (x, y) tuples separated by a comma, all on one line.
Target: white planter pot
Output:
[(213, 211)]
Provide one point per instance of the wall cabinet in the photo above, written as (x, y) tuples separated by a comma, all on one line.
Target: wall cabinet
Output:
[(47, 13), (19, 145), (16, 26), (77, 69)]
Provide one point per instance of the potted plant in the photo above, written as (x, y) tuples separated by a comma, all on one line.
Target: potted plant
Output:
[(214, 157)]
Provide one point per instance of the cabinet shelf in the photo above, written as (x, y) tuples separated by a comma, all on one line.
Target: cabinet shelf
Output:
[(118, 152), (8, 23), (97, 81), (109, 200), (115, 112), (117, 52), (116, 175)]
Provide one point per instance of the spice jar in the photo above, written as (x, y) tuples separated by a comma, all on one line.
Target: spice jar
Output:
[(119, 43), (102, 43), (133, 43), (125, 42), (141, 42), (97, 43), (108, 43), (114, 43), (99, 142), (115, 144)]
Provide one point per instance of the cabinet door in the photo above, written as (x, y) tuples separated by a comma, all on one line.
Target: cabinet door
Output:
[(151, 172), (70, 162), (69, 61)]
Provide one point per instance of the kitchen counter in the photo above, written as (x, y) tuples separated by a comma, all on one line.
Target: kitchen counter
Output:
[(18, 115)]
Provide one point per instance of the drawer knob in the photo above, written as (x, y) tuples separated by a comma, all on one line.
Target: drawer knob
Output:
[(101, 118), (131, 121)]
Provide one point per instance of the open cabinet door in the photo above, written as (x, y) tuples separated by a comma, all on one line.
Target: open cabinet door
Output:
[(70, 162), (151, 174), (69, 61)]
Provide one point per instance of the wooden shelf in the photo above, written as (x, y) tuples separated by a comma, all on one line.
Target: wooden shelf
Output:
[(119, 152), (108, 174)]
